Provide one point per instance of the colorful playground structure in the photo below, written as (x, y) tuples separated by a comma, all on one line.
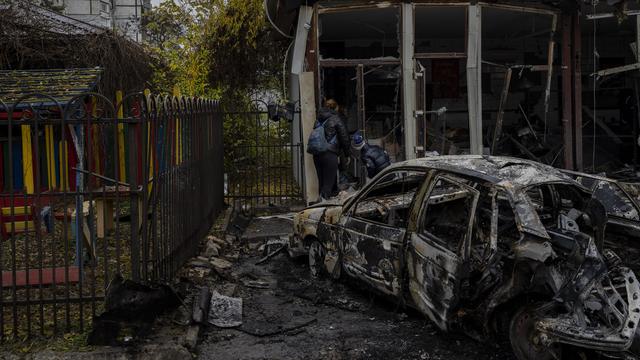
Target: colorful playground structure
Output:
[(66, 145)]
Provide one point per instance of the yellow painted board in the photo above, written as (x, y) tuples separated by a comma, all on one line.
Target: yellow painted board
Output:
[(20, 226), (17, 211), (51, 154), (27, 159), (54, 178)]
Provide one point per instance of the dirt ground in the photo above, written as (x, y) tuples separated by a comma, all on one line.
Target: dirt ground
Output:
[(289, 315)]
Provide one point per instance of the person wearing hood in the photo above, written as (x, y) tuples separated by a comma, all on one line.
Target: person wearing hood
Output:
[(373, 157), (337, 137)]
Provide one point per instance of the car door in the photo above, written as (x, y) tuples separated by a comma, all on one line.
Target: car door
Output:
[(374, 227), (439, 247)]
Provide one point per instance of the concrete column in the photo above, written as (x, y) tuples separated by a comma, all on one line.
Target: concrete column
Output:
[(307, 121), (408, 81), (474, 78), (577, 91), (567, 97), (297, 67)]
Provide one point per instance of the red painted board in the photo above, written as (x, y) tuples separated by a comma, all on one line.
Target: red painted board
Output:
[(47, 276)]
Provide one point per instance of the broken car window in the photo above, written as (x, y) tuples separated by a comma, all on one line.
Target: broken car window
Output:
[(482, 231), (615, 201), (507, 226), (446, 218), (389, 201)]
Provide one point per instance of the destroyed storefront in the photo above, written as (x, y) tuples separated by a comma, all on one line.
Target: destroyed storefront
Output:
[(553, 83)]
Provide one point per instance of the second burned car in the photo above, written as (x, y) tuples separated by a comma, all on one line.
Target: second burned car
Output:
[(484, 245)]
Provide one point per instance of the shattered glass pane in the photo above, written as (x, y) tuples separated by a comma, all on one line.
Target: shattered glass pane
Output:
[(448, 213), (615, 201)]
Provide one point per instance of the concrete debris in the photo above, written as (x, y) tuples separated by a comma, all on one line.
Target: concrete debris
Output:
[(211, 249), (198, 273), (220, 265), (225, 311), (257, 284), (199, 263), (230, 239), (232, 256), (221, 243)]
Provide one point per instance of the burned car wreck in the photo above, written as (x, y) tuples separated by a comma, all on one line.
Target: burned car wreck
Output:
[(484, 245), (621, 201)]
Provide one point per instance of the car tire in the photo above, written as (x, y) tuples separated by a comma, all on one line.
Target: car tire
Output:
[(317, 254), (524, 337)]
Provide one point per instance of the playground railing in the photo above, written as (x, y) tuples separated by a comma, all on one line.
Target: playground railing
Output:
[(93, 189)]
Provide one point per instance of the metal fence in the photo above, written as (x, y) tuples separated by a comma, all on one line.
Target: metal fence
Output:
[(91, 189), (262, 157)]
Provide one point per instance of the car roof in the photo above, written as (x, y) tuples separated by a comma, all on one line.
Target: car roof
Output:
[(502, 170)]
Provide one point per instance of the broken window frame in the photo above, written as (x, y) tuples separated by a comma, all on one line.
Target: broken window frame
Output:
[(353, 206), (443, 55), (358, 64), (421, 113), (546, 68), (324, 9), (624, 68), (464, 246)]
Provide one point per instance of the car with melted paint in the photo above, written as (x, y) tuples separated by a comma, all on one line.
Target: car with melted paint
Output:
[(484, 245), (621, 201)]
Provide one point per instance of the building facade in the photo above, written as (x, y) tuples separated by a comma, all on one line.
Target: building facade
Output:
[(551, 81), (121, 15)]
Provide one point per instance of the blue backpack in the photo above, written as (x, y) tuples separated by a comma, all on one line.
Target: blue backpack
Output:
[(318, 143)]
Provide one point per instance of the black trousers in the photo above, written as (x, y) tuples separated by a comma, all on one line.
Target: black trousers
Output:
[(327, 169)]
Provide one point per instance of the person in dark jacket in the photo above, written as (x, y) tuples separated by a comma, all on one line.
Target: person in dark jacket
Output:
[(327, 162), (373, 157)]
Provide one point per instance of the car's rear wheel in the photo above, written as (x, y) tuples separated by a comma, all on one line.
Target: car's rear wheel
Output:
[(526, 341), (317, 255)]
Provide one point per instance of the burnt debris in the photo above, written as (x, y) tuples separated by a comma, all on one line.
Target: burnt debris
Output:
[(132, 305)]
